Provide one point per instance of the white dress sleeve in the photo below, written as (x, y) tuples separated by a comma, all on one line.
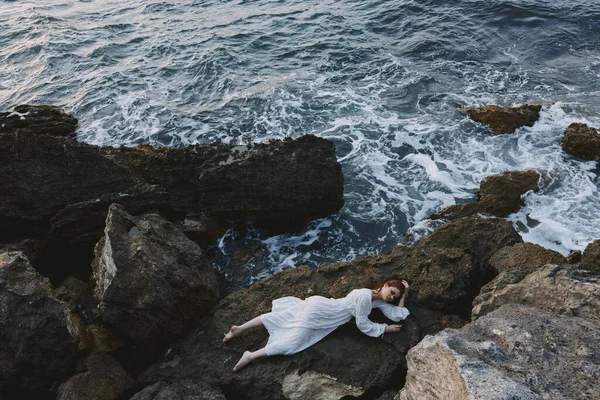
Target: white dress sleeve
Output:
[(395, 313), (363, 309)]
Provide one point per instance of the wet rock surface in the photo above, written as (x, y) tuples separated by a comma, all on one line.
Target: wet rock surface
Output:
[(515, 352), (151, 281), (505, 119), (582, 141), (38, 120), (36, 345), (499, 195), (99, 377)]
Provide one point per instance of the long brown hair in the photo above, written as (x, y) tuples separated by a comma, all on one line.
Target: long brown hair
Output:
[(397, 283)]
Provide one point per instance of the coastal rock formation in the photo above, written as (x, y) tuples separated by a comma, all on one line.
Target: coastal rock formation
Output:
[(510, 265), (45, 120), (591, 256), (151, 281), (36, 344), (505, 119), (514, 352), (57, 190), (562, 290), (582, 141), (498, 195), (347, 362), (99, 377)]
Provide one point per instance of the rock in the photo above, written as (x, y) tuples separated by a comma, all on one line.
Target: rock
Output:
[(186, 389), (511, 264), (99, 377), (574, 257), (278, 185), (515, 352), (591, 257), (70, 290), (36, 346), (562, 290), (582, 141), (38, 120), (498, 195), (151, 281), (505, 119)]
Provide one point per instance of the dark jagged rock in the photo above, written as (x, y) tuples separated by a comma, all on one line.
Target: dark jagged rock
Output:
[(186, 389), (36, 346), (57, 190), (591, 256), (99, 377), (582, 141), (38, 120), (510, 265), (498, 195), (515, 352), (151, 281), (505, 119)]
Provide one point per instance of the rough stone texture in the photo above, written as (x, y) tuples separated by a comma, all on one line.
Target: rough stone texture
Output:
[(311, 385), (591, 257), (562, 290), (511, 264), (36, 346), (515, 352), (498, 195), (505, 119), (182, 390), (40, 120), (151, 281), (582, 141), (70, 290), (99, 377), (441, 276)]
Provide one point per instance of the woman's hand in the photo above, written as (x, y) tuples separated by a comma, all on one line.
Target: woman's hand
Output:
[(392, 328), (405, 285)]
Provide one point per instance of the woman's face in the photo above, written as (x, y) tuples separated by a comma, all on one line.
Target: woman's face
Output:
[(389, 293)]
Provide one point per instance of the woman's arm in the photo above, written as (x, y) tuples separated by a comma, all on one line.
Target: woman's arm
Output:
[(403, 298)]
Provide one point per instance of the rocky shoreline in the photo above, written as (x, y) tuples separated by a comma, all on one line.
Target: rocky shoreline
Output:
[(106, 292)]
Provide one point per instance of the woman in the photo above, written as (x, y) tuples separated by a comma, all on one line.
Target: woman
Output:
[(295, 324)]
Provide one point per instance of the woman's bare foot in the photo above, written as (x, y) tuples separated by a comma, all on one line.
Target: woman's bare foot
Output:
[(233, 332), (245, 360)]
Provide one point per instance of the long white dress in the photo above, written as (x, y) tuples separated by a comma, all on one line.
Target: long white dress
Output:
[(296, 324)]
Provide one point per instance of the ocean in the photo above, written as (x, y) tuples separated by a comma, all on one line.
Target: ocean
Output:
[(384, 80)]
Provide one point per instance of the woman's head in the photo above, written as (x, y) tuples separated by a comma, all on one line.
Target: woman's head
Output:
[(391, 290)]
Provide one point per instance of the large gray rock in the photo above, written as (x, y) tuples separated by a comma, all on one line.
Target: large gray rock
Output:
[(515, 352), (151, 281), (36, 344), (499, 195), (505, 119), (562, 290), (35, 120), (99, 377), (591, 256)]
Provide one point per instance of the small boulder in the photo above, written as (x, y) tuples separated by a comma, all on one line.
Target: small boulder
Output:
[(591, 256), (36, 344), (515, 352), (40, 120), (505, 119), (562, 290), (582, 141), (498, 195), (99, 377), (152, 282)]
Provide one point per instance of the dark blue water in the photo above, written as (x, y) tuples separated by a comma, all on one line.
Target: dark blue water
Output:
[(382, 79)]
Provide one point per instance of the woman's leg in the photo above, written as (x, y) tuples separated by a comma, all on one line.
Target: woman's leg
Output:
[(236, 330), (248, 357)]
